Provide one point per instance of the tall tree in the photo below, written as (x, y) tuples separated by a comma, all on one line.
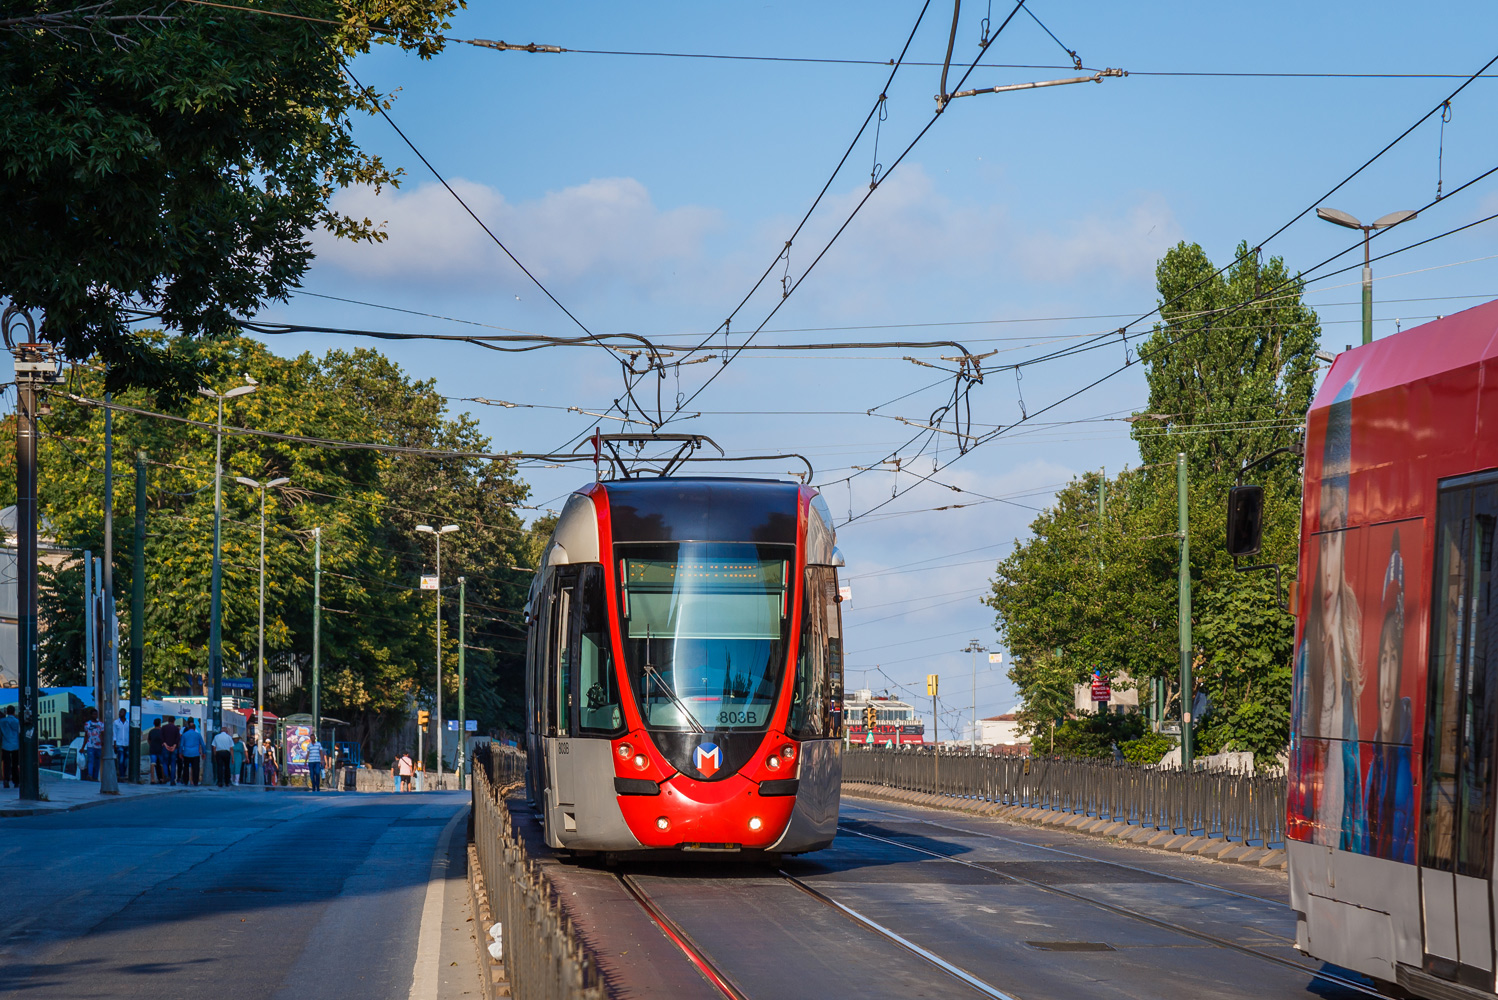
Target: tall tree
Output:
[(378, 628), (172, 158), (1231, 371)]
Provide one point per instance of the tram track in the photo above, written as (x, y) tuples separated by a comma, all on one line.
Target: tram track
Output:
[(1131, 914), (723, 981)]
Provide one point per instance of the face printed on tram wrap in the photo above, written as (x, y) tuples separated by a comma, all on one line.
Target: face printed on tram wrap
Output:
[(1390, 663)]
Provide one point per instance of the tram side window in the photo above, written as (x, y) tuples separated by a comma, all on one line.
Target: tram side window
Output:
[(558, 655), (819, 665), (598, 712), (1462, 698)]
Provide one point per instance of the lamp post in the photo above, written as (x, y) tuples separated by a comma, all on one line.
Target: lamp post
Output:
[(260, 677), (215, 604), (462, 680), (1339, 218), (975, 649), (439, 532)]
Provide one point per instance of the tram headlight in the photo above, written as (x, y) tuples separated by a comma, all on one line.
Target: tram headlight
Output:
[(755, 823), (625, 750), (641, 761), (662, 823), (773, 762), (788, 751)]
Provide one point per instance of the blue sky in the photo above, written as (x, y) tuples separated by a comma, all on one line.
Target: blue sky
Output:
[(648, 193)]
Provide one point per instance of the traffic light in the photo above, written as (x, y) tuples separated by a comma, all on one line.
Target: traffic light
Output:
[(870, 717), (422, 717)]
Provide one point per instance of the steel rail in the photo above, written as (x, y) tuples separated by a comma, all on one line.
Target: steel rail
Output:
[(1124, 911), (682, 940), (960, 974), (1080, 857)]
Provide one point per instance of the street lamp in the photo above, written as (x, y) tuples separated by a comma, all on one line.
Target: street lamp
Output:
[(439, 532), (215, 634), (1339, 218), (975, 649), (260, 678)]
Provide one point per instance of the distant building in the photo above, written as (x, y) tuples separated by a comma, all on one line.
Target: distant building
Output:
[(1001, 730), (59, 717), (895, 722), (48, 554)]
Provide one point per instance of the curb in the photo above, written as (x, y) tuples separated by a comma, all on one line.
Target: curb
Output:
[(102, 800), (491, 971), (1208, 848)]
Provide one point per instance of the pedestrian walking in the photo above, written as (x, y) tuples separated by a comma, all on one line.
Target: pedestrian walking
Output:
[(10, 747), (93, 744), (121, 746), (192, 753), (314, 764), (223, 747), (171, 739), (268, 762), (407, 770), (237, 758)]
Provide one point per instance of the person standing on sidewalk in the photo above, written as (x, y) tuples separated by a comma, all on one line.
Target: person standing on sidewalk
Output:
[(223, 745), (153, 745), (171, 738), (268, 762), (192, 754), (93, 744), (10, 747), (237, 758), (121, 746)]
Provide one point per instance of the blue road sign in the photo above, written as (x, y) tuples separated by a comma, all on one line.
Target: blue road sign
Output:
[(452, 724), (238, 684), (472, 725)]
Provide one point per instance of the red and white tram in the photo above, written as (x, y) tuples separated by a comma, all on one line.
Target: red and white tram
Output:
[(684, 669), (1392, 766)]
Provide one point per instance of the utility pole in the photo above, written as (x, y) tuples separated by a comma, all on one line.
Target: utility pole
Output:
[(316, 633), (1183, 610), (90, 633), (1340, 218), (462, 680), (261, 738), (109, 776), (138, 615), (1102, 496), (439, 532), (36, 368), (975, 649)]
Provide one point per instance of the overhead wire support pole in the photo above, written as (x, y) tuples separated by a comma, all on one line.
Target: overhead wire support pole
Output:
[(137, 615), (1183, 610), (109, 775), (1006, 88)]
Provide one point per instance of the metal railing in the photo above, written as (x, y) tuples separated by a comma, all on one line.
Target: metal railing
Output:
[(1246, 808), (543, 956)]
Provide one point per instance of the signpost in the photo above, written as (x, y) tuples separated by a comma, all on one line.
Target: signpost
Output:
[(1102, 690), (931, 685)]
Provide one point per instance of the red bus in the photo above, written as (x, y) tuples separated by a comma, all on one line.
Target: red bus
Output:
[(1392, 758)]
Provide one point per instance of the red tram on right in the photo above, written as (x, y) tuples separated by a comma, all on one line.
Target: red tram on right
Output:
[(1392, 762)]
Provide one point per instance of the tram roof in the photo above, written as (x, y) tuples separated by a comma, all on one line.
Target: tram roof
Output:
[(705, 508), (1422, 352)]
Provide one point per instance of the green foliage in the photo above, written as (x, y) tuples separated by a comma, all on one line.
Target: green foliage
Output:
[(1231, 373), (1148, 749), (378, 629), (174, 157), (1047, 682), (1094, 735)]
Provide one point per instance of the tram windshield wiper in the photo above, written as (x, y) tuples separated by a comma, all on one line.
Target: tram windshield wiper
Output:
[(651, 673)]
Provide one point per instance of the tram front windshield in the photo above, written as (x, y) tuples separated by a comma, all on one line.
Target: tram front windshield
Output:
[(706, 626)]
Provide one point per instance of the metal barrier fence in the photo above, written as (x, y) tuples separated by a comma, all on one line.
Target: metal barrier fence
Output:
[(1246, 808), (543, 958)]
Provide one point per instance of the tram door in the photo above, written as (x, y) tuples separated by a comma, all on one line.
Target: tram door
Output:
[(1456, 836), (561, 811)]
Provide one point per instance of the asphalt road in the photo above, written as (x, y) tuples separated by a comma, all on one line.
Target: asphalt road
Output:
[(239, 894)]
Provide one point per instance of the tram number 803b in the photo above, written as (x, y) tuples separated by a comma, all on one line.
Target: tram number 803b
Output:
[(738, 718)]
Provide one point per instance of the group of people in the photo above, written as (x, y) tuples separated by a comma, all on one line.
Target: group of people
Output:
[(93, 746), (177, 754)]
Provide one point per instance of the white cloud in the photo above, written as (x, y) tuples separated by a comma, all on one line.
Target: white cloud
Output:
[(607, 236), (607, 230)]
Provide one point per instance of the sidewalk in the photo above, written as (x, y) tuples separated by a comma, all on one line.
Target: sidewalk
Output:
[(64, 796)]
